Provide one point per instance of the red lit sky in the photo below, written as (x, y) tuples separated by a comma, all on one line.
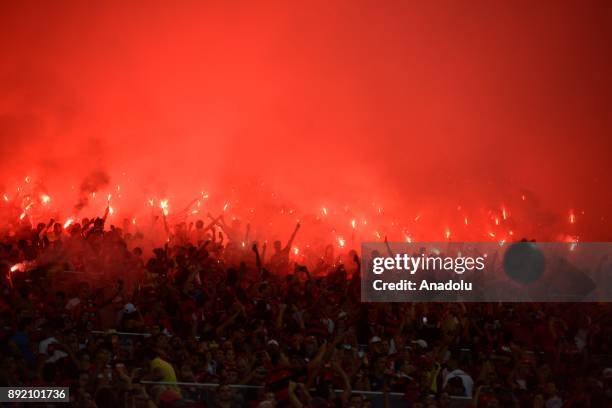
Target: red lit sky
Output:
[(412, 106)]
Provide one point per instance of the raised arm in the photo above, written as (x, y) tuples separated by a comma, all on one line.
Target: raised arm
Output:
[(297, 227), (257, 258), (106, 212), (263, 252), (388, 247), (248, 230)]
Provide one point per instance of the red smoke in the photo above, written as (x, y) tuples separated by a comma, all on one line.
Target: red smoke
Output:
[(435, 111)]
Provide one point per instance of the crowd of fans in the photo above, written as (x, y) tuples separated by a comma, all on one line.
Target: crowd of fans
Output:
[(87, 308)]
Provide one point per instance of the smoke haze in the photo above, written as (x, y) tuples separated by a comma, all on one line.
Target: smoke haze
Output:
[(416, 108)]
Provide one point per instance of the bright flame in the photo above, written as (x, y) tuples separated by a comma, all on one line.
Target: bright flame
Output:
[(341, 242), (465, 220), (296, 250), (574, 244), (225, 206), (134, 221), (572, 217), (353, 224), (23, 214), (324, 210), (27, 179), (504, 215), (408, 239), (492, 235), (164, 206), (111, 210), (377, 234), (5, 198), (447, 234), (68, 222), (45, 198)]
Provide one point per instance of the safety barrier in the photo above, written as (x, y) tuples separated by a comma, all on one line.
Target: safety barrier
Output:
[(206, 392)]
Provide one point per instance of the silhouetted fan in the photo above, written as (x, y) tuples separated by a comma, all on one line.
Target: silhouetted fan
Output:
[(524, 262)]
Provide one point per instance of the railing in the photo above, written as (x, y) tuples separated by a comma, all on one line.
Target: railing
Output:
[(206, 392), (255, 387), (119, 333)]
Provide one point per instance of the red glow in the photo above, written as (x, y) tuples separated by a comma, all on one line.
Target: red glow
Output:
[(387, 114)]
